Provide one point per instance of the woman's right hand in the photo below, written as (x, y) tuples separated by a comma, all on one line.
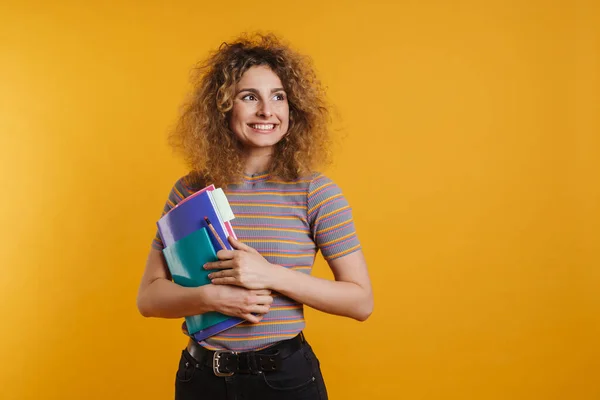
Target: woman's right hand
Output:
[(235, 301)]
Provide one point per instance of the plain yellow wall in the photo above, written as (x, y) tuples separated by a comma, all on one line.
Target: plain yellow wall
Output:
[(468, 140)]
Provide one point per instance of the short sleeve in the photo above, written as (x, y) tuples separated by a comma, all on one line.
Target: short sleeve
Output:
[(330, 219), (180, 191)]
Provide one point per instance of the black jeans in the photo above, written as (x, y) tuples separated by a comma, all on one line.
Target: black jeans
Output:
[(298, 379)]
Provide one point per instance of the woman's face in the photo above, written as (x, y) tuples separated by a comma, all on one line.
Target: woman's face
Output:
[(260, 114)]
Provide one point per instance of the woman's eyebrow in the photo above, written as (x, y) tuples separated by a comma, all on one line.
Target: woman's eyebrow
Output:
[(253, 90)]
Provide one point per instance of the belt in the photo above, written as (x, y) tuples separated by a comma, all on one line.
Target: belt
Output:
[(227, 363)]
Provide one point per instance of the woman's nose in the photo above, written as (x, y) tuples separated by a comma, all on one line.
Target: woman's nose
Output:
[(264, 110)]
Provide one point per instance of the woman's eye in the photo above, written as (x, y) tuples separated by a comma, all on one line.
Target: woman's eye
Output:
[(250, 97), (279, 97)]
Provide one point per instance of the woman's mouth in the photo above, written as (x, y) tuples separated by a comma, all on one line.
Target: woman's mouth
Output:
[(263, 128)]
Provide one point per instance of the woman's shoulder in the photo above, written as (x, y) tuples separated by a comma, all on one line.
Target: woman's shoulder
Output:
[(190, 183), (185, 186), (318, 180), (321, 186)]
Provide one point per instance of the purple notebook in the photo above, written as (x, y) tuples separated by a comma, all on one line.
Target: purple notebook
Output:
[(188, 216)]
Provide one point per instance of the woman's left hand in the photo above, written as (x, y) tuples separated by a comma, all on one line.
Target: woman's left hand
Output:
[(243, 266)]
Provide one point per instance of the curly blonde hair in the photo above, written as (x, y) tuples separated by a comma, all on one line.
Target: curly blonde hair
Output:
[(202, 133)]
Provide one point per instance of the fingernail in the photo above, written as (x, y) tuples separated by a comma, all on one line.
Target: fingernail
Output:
[(210, 276)]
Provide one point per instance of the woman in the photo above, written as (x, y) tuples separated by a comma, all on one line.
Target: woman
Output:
[(256, 125)]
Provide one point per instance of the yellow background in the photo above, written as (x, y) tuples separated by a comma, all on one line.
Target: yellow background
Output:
[(468, 146)]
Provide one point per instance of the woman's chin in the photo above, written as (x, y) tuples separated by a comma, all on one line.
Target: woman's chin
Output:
[(261, 142)]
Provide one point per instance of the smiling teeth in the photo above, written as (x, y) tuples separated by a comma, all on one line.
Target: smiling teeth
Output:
[(263, 127)]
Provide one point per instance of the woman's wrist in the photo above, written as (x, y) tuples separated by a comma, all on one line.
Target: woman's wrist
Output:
[(279, 277), (206, 298)]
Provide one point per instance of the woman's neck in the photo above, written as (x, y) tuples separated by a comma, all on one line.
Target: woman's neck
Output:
[(257, 161)]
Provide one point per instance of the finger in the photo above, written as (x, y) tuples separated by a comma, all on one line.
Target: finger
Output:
[(219, 264), (225, 254), (252, 318), (264, 300), (261, 292), (259, 309), (224, 273), (236, 244), (229, 280)]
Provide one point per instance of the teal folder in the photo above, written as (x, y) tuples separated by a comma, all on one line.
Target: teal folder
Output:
[(185, 259)]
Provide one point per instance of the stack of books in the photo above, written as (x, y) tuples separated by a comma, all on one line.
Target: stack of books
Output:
[(192, 233)]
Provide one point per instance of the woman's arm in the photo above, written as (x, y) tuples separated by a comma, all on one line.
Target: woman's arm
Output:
[(158, 296), (349, 295)]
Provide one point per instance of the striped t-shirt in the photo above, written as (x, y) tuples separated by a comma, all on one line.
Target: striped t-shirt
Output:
[(287, 222)]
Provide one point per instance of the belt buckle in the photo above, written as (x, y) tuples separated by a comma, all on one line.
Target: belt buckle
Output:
[(216, 364)]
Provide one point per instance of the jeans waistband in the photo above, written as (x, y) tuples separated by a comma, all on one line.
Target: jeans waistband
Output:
[(226, 363)]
